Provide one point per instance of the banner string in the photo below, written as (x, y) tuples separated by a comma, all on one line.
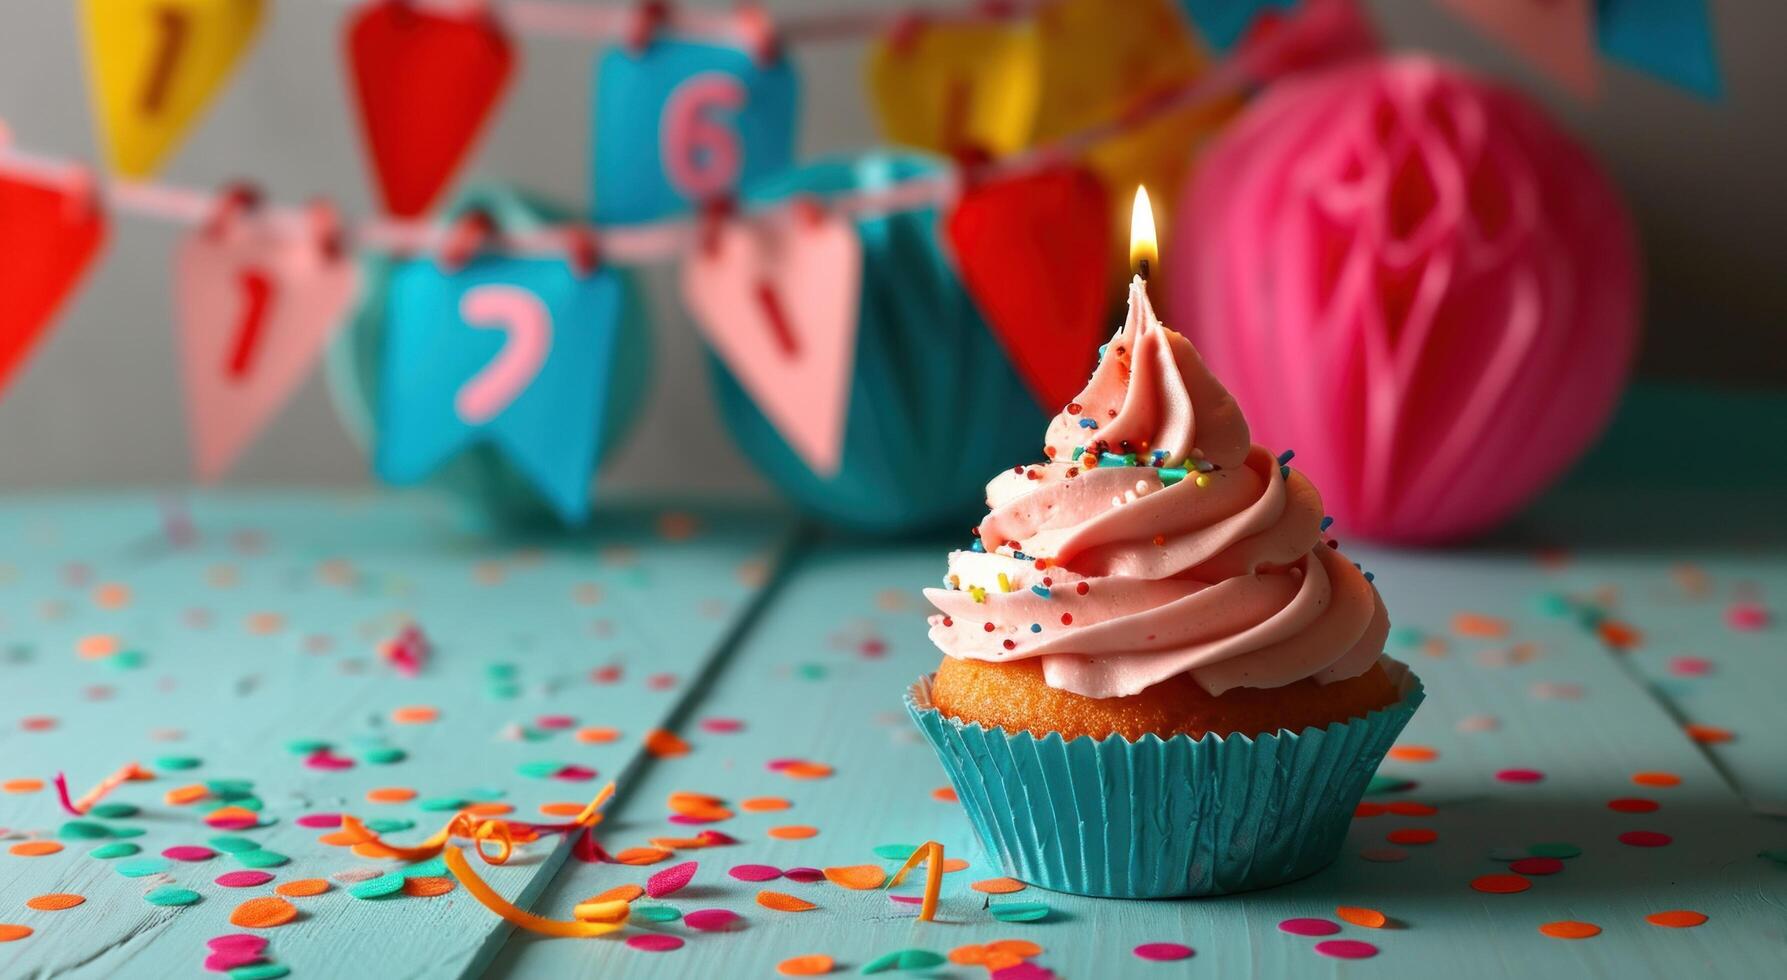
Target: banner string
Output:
[(645, 243)]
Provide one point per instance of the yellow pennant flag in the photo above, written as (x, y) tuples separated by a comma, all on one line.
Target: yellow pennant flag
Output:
[(950, 87), (154, 65)]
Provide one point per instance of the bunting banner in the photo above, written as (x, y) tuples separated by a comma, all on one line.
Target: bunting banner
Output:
[(678, 124), (1558, 36), (153, 67), (49, 235), (951, 88), (257, 302)]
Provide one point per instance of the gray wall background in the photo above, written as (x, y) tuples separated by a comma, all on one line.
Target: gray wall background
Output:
[(99, 403)]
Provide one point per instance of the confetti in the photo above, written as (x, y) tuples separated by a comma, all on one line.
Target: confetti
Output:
[(1500, 884), (1656, 779), (1632, 805), (171, 896), (1413, 753), (998, 886), (1520, 776), (904, 959), (141, 867), (711, 920), (1555, 849), (619, 893), (1360, 916), (861, 877), (1020, 912), (763, 804), (781, 902), (1346, 949), (1412, 835), (1536, 866), (488, 897), (670, 880), (1163, 952), (260, 858), (188, 852), (811, 965), (805, 876), (755, 872), (1308, 927), (1570, 929), (385, 884), (426, 886), (10, 933), (263, 913), (793, 832), (1675, 919), (654, 942), (302, 888), (55, 901), (1709, 734), (36, 848), (243, 879), (1645, 838), (118, 849)]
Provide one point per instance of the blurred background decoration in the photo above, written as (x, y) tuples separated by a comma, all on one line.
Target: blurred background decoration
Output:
[(1407, 272)]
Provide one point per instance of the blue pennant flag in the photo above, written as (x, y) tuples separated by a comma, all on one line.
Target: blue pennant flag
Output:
[(1223, 23), (515, 352), (679, 123), (1672, 39)]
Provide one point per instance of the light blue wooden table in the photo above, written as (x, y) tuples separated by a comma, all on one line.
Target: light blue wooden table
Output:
[(758, 644)]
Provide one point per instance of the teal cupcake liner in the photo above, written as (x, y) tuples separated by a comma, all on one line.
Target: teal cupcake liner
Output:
[(1163, 818)]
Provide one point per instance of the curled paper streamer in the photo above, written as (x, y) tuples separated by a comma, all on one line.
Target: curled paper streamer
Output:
[(488, 897), (78, 808), (930, 854), (1419, 283)]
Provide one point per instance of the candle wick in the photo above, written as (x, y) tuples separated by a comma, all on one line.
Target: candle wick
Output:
[(1144, 272)]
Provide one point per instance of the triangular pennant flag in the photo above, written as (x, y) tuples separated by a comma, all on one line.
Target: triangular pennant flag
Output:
[(257, 304), (1224, 22), (1556, 35), (48, 236), (1032, 252), (957, 87), (425, 82), (777, 298), (514, 352), (155, 65), (1669, 38)]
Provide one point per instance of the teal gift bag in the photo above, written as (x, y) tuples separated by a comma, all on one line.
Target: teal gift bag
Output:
[(493, 491), (935, 406)]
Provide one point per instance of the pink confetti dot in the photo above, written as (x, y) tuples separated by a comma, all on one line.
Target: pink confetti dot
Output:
[(711, 920), (225, 960), (661, 682), (755, 872), (1690, 666), (554, 722), (1746, 616), (1309, 927), (243, 879), (805, 876), (1346, 949), (671, 880), (575, 774), (188, 852), (1520, 776), (1479, 723), (722, 726), (654, 942), (1632, 804), (320, 820), (237, 940), (1163, 952), (328, 760), (1644, 838), (1536, 866)]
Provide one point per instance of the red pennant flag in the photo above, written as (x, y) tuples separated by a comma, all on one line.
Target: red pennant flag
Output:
[(426, 82), (48, 236), (1033, 252)]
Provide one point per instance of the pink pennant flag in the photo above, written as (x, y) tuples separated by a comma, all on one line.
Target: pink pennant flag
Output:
[(257, 302), (776, 297), (1556, 35)]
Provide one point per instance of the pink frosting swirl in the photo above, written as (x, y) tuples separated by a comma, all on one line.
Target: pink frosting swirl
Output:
[(1189, 550)]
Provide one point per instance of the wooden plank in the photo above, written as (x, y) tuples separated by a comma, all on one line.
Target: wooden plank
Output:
[(263, 631), (821, 678)]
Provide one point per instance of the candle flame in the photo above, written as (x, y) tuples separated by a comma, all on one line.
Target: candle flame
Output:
[(1144, 250)]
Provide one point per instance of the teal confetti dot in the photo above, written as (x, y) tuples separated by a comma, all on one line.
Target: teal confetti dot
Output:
[(810, 672), (261, 858), (503, 692), (141, 867), (390, 825), (434, 867), (436, 804), (230, 844), (655, 913), (171, 895), (230, 788), (106, 852), (126, 660), (499, 671), (1555, 849), (1553, 604), (83, 830), (383, 885), (539, 770), (260, 971), (484, 794), (177, 763), (904, 959), (1381, 783), (114, 811), (306, 746), (895, 852), (127, 831), (1020, 912), (1406, 637), (383, 756)]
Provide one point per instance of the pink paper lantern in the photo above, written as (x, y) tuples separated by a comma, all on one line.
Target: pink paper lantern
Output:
[(1413, 278)]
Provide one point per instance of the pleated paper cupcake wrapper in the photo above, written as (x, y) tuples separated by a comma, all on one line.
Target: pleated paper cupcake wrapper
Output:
[(1163, 818)]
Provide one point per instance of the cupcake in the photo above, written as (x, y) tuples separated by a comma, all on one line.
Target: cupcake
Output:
[(1158, 679)]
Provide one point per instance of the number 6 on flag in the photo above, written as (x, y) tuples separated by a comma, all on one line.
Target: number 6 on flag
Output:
[(680, 123)]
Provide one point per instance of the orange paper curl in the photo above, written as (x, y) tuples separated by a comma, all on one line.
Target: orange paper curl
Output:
[(930, 854), (487, 896)]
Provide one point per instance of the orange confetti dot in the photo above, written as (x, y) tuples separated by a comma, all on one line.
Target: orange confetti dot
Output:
[(561, 809), (13, 933), (1570, 929), (814, 965), (793, 832), (998, 886), (1675, 919), (112, 595), (415, 714), (35, 848), (21, 785), (945, 794), (183, 795), (861, 877), (598, 735), (1016, 947), (427, 886), (1412, 835), (1413, 753), (1709, 734), (390, 794), (781, 902), (303, 887), (971, 955), (1409, 808), (263, 913), (763, 804), (96, 646), (491, 808), (1501, 884), (1656, 779), (55, 901), (1479, 625), (806, 770), (619, 893), (954, 864), (1361, 916), (265, 623), (641, 855), (665, 745), (1618, 635)]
